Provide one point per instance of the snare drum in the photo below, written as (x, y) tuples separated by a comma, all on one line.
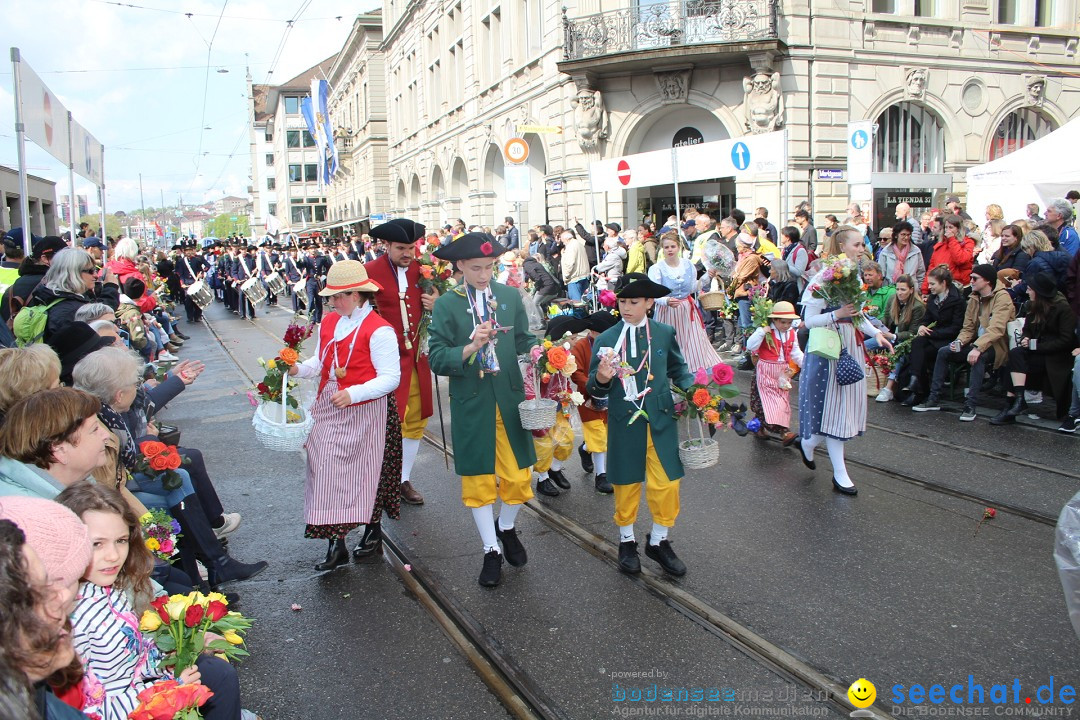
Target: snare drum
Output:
[(275, 283), (299, 289), (253, 290), (200, 294)]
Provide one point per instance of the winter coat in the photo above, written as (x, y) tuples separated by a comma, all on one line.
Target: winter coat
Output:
[(991, 315), (130, 317), (635, 258), (1015, 259), (1056, 336), (543, 282), (63, 313), (125, 269), (1072, 285), (1054, 263), (947, 313), (904, 331), (957, 254), (574, 262), (17, 478), (612, 265), (781, 291)]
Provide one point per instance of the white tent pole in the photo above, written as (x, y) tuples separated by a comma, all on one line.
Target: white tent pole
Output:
[(20, 134)]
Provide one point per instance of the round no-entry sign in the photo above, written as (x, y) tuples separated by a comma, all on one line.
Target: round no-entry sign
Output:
[(623, 169), (516, 150)]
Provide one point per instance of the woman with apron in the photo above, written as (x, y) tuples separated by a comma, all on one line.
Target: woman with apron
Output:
[(354, 450)]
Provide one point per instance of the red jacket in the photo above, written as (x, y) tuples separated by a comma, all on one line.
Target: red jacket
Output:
[(125, 269), (957, 254), (388, 305)]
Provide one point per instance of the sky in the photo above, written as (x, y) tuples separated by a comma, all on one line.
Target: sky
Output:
[(134, 74)]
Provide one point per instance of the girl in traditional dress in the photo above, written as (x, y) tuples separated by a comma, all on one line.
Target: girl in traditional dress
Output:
[(354, 450), (680, 309), (769, 392), (828, 411)]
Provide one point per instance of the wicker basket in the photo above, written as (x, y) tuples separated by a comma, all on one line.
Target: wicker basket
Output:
[(538, 414), (272, 429), (876, 379), (699, 453), (714, 299)]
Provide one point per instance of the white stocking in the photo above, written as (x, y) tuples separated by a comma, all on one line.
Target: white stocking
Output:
[(599, 460), (409, 448), (836, 457), (485, 523)]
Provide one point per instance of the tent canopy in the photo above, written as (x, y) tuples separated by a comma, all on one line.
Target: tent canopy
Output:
[(1036, 173)]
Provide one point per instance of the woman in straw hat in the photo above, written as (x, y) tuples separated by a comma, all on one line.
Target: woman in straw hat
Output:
[(354, 450), (777, 352)]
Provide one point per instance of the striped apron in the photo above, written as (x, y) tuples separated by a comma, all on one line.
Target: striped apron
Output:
[(825, 406), (689, 332)]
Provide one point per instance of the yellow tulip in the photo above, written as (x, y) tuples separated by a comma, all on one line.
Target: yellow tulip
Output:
[(144, 517), (150, 621), (233, 638)]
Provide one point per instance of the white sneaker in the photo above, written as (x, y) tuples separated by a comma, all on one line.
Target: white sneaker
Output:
[(167, 356), (202, 571), (232, 521), (885, 395), (1033, 397)]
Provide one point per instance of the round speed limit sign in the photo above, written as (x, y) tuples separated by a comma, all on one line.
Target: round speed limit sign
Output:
[(516, 150)]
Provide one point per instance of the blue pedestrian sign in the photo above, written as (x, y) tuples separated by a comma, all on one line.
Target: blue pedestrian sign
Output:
[(859, 139), (740, 156)]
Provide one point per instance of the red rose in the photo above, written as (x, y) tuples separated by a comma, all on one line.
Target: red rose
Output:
[(150, 448), (216, 610), (486, 248), (159, 463), (194, 615), (159, 605), (262, 388), (990, 513)]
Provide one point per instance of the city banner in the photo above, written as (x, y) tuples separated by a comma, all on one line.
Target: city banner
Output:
[(43, 115), (87, 154)]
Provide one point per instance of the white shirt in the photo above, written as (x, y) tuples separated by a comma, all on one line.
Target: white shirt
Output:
[(384, 357), (402, 282)]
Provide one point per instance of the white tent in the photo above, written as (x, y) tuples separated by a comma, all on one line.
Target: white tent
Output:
[(1036, 173)]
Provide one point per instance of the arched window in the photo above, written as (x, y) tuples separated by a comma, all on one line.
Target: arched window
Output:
[(1017, 129), (909, 139)]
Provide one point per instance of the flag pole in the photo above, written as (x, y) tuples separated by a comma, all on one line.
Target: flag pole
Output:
[(20, 134), (73, 202)]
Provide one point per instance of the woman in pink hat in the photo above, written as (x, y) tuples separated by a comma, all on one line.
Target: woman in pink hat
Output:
[(354, 450)]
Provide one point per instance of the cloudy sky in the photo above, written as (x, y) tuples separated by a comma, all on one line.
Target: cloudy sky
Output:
[(134, 74)]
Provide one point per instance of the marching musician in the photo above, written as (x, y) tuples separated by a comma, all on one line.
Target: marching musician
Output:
[(264, 264), (244, 270), (190, 268), (290, 266)]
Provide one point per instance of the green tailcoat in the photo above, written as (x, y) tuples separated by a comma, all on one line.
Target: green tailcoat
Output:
[(473, 398), (627, 443)]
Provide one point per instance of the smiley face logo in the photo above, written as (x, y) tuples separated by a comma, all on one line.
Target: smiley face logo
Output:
[(862, 693)]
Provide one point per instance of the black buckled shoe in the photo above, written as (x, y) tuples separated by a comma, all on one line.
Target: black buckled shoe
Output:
[(336, 556), (512, 547), (629, 562), (586, 458), (602, 485), (812, 464), (844, 489), (547, 487), (559, 478), (664, 555), (370, 542), (492, 572)]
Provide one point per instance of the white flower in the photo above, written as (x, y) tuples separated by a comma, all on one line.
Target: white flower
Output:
[(577, 398)]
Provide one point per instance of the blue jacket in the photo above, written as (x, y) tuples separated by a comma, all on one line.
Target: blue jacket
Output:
[(1054, 263), (24, 480), (1069, 240)]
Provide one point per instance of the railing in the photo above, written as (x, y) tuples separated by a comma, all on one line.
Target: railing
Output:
[(660, 25)]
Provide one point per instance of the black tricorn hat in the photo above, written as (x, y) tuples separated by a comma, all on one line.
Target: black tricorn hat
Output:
[(638, 285), (600, 321), (559, 325), (399, 230), (471, 246)]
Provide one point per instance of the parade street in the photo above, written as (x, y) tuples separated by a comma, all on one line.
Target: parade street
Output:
[(793, 591)]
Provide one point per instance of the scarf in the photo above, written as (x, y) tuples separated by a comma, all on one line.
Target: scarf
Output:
[(129, 456), (901, 258)]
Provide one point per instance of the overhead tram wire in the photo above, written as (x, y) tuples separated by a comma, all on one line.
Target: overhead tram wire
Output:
[(206, 90), (285, 36), (198, 14)]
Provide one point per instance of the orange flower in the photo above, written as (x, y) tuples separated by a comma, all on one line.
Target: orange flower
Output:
[(150, 448), (712, 417), (426, 271), (289, 356), (557, 357), (159, 462), (701, 397), (173, 458)]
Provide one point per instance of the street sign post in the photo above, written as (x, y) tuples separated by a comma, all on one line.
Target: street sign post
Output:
[(516, 151)]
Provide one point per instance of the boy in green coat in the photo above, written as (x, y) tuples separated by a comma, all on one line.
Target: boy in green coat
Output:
[(477, 331), (633, 365)]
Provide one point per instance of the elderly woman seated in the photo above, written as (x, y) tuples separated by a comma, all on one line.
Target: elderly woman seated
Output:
[(26, 371), (114, 376)]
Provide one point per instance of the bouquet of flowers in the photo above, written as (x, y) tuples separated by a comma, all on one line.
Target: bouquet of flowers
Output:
[(705, 399), (161, 532), (881, 362), (269, 390), (179, 625), (718, 256), (171, 700), (839, 284), (435, 276), (158, 460), (760, 309)]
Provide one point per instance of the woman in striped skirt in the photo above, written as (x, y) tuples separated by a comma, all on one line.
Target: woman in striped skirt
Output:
[(828, 411), (353, 456), (680, 308)]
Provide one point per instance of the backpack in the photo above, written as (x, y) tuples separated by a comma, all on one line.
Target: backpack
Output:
[(29, 324)]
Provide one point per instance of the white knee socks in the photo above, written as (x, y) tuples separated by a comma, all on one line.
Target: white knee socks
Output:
[(485, 523), (836, 457), (809, 445), (658, 534), (599, 460), (409, 448), (556, 464), (507, 516)]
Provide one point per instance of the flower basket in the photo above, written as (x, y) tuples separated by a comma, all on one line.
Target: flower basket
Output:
[(876, 378), (699, 453), (715, 298), (272, 429), (538, 413)]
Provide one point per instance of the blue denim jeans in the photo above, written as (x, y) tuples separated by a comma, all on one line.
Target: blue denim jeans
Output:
[(745, 320), (153, 494), (576, 289), (1074, 409)]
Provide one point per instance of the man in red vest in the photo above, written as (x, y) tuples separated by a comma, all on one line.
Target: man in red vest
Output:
[(402, 304)]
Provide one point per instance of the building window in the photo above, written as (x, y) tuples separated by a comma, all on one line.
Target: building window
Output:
[(1016, 130), (300, 214), (311, 172), (1029, 13), (293, 138), (883, 6), (296, 172), (271, 183), (292, 105), (493, 57), (270, 159), (533, 13), (271, 208), (926, 8), (909, 139), (320, 213)]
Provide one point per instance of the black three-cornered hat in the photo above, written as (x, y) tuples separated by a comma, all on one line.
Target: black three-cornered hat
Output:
[(471, 246), (399, 230)]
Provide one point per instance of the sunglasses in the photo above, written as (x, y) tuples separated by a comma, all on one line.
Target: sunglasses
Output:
[(90, 270)]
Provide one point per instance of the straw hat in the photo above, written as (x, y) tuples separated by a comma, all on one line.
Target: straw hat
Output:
[(784, 310), (348, 276)]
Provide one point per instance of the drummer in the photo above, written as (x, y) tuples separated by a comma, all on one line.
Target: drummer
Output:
[(190, 268), (353, 452)]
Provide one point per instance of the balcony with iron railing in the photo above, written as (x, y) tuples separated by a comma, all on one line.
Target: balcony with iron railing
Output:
[(678, 28)]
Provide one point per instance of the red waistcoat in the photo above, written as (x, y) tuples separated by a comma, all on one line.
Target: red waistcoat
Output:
[(770, 354), (359, 369)]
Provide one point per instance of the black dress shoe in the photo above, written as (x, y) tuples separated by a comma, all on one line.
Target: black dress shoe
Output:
[(844, 489), (812, 464), (546, 487), (559, 478), (1003, 418), (629, 562), (909, 400), (181, 335), (1019, 405), (492, 572), (336, 556), (586, 458), (602, 485), (370, 542), (664, 555), (512, 547)]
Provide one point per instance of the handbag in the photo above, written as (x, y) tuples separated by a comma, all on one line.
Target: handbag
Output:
[(848, 372), (824, 342), (1014, 329), (169, 434)]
